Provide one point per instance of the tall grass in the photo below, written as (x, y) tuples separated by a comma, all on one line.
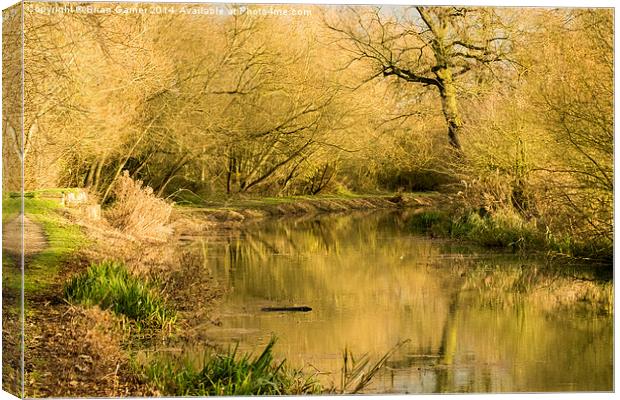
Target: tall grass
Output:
[(110, 286), (504, 228), (358, 373), (237, 374), (500, 229), (231, 374)]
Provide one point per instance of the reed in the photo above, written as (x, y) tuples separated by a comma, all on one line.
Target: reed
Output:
[(358, 373), (231, 373)]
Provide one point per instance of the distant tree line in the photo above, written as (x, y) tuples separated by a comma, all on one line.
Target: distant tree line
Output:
[(512, 108)]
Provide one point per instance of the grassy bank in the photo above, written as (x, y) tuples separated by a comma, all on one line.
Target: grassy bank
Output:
[(237, 209), (61, 238), (506, 229)]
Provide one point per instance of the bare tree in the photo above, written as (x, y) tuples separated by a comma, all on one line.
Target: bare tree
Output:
[(428, 46)]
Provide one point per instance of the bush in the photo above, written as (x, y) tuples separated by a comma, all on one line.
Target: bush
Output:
[(110, 286), (138, 211)]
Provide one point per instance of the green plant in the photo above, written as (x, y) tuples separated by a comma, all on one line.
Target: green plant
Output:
[(358, 373), (231, 374), (437, 223), (110, 286)]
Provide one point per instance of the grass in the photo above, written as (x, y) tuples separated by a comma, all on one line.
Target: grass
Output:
[(63, 240), (231, 374), (237, 374), (508, 229), (49, 192), (10, 208), (109, 285), (503, 229)]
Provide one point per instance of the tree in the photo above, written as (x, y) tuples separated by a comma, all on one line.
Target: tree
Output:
[(429, 46), (575, 104)]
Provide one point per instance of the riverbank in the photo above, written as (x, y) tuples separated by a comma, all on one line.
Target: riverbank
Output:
[(507, 229), (98, 298), (231, 211), (438, 214)]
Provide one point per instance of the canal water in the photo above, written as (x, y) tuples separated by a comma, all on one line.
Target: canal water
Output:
[(467, 319)]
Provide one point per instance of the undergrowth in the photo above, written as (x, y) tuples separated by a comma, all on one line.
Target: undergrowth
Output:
[(138, 211), (109, 285), (231, 373), (503, 229)]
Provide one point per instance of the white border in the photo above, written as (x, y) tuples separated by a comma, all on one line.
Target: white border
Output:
[(504, 3)]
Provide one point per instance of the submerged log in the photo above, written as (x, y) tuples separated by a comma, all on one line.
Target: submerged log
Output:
[(292, 309)]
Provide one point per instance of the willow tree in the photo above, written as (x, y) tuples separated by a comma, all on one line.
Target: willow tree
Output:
[(434, 47)]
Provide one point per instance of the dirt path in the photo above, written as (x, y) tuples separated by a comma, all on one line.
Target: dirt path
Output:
[(34, 242), (70, 351), (34, 238)]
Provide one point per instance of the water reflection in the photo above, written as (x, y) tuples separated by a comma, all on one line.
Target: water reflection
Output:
[(477, 322)]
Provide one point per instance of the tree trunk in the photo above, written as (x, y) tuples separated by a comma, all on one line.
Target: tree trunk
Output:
[(90, 175), (180, 164), (97, 177), (447, 91), (229, 173)]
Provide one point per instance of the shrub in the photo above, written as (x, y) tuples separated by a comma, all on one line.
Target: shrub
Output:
[(110, 286), (138, 211)]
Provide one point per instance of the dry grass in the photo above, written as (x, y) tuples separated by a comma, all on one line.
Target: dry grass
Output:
[(138, 212)]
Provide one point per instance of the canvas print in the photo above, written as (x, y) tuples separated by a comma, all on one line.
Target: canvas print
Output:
[(293, 199)]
